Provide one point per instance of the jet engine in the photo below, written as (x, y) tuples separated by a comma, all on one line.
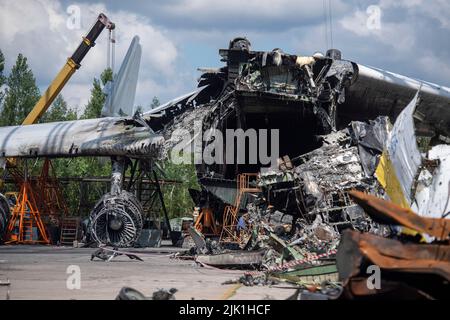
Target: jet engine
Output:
[(4, 215), (116, 219)]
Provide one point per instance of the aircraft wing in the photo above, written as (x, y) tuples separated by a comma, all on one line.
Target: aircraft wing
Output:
[(110, 136), (161, 116), (379, 92), (93, 137)]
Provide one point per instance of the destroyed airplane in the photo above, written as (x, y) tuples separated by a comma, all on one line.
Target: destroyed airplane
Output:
[(321, 105)]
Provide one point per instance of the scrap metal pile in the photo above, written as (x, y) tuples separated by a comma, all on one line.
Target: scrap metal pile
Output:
[(409, 269)]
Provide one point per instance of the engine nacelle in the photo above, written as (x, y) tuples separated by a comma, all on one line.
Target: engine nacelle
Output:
[(116, 220), (5, 214)]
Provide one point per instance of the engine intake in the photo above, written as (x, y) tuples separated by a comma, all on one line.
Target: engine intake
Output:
[(5, 214), (116, 220)]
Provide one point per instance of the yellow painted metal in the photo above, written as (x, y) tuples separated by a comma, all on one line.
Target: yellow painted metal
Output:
[(387, 177), (87, 41), (52, 92)]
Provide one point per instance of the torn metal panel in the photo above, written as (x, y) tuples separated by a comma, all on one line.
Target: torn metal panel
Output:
[(387, 212), (93, 137), (402, 153), (223, 189), (233, 259), (161, 116), (371, 138), (197, 237), (310, 274), (287, 251), (432, 197), (422, 269), (412, 179), (409, 253)]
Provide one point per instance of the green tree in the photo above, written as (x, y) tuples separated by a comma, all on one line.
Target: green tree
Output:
[(2, 77), (97, 99), (107, 75), (155, 103), (21, 93), (59, 111), (177, 199)]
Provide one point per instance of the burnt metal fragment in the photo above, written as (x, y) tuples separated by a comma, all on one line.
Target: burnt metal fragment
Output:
[(387, 212), (408, 271)]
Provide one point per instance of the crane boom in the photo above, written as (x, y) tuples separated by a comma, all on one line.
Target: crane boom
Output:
[(72, 64)]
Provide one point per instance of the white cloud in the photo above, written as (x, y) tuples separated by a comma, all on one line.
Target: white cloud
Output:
[(399, 36), (200, 9), (435, 9), (431, 64), (75, 96), (38, 30), (254, 15)]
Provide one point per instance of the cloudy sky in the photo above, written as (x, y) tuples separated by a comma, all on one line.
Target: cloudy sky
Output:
[(409, 37)]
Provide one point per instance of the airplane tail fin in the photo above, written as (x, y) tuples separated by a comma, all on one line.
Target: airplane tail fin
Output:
[(122, 90)]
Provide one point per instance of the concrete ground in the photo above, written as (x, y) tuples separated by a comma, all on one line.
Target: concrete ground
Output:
[(40, 272)]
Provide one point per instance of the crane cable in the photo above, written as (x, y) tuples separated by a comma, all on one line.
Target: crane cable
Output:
[(328, 23)]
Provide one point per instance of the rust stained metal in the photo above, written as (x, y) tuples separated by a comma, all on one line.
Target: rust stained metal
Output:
[(374, 254), (357, 287), (422, 270), (389, 253), (386, 212)]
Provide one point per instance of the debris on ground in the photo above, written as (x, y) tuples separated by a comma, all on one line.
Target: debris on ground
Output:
[(106, 254), (163, 294), (127, 293)]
